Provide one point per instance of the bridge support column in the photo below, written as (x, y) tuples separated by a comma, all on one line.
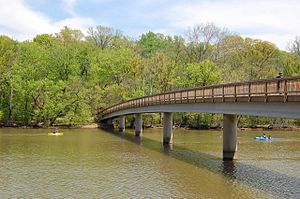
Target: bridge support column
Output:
[(122, 123), (168, 128), (106, 124), (229, 136), (109, 123), (138, 124)]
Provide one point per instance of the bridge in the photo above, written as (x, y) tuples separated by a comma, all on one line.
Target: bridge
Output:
[(277, 97)]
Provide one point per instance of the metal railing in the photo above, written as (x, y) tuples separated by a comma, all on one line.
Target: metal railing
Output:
[(270, 90)]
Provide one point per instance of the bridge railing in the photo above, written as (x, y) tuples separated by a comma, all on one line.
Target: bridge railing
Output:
[(271, 90)]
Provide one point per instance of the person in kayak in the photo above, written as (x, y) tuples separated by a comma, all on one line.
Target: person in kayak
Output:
[(55, 130)]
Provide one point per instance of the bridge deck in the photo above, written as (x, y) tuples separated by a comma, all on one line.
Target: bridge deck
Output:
[(271, 91)]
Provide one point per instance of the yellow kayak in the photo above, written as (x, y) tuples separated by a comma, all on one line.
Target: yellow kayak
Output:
[(55, 134)]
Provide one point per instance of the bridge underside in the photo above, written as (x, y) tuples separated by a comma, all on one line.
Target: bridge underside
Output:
[(275, 109), (277, 97), (229, 111)]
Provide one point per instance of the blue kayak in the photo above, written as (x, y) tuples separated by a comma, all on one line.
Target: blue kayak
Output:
[(263, 138)]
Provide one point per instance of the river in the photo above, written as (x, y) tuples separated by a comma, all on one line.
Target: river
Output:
[(92, 163)]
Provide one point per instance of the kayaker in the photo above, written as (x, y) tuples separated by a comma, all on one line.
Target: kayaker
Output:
[(264, 135), (269, 137), (55, 130)]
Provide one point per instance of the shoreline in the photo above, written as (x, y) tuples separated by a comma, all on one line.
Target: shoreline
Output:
[(95, 125), (79, 126)]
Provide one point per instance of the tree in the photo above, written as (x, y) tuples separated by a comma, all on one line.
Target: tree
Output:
[(178, 50), (162, 68), (201, 74), (104, 37), (65, 78), (29, 73), (246, 59), (289, 64), (46, 40), (294, 47), (200, 39), (152, 42), (67, 35), (7, 58)]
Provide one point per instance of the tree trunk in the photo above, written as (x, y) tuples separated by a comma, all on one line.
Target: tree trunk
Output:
[(198, 121), (8, 120), (26, 120)]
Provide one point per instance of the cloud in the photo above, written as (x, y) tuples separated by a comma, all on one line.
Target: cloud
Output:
[(274, 20), (18, 19), (69, 6), (80, 23), (21, 22)]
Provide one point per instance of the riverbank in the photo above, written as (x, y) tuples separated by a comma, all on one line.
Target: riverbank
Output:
[(94, 126), (77, 126)]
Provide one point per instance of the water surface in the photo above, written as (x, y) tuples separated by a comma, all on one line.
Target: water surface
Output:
[(92, 163)]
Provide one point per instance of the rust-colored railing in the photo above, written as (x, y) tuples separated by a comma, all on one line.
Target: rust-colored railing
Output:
[(271, 90)]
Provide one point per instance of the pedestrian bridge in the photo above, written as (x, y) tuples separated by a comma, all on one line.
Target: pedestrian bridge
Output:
[(278, 97)]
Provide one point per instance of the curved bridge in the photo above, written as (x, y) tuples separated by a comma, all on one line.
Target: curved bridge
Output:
[(278, 97)]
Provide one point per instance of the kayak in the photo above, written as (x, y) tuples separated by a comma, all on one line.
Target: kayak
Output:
[(263, 138), (57, 134)]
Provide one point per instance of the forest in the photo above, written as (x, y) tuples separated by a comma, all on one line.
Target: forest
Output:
[(67, 77)]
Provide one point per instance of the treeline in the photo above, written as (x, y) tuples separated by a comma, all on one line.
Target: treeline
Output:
[(68, 77)]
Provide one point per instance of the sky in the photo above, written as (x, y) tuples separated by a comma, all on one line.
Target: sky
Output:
[(276, 21)]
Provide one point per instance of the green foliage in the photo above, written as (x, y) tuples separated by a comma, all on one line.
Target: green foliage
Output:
[(1, 115), (151, 119), (290, 64), (107, 37), (67, 78), (246, 59), (201, 74), (297, 122), (153, 42), (67, 35), (7, 52)]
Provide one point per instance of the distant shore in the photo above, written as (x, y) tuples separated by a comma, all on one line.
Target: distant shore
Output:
[(76, 126), (95, 125)]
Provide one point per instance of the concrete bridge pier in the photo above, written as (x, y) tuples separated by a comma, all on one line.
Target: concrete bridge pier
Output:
[(229, 136), (107, 124), (168, 128), (138, 124), (122, 123)]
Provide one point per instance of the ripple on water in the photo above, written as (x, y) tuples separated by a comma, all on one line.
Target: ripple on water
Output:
[(96, 164)]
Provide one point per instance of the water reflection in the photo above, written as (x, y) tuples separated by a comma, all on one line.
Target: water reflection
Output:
[(167, 148), (229, 169), (272, 182), (138, 140)]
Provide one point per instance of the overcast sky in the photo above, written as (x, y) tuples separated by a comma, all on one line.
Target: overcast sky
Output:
[(276, 21)]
